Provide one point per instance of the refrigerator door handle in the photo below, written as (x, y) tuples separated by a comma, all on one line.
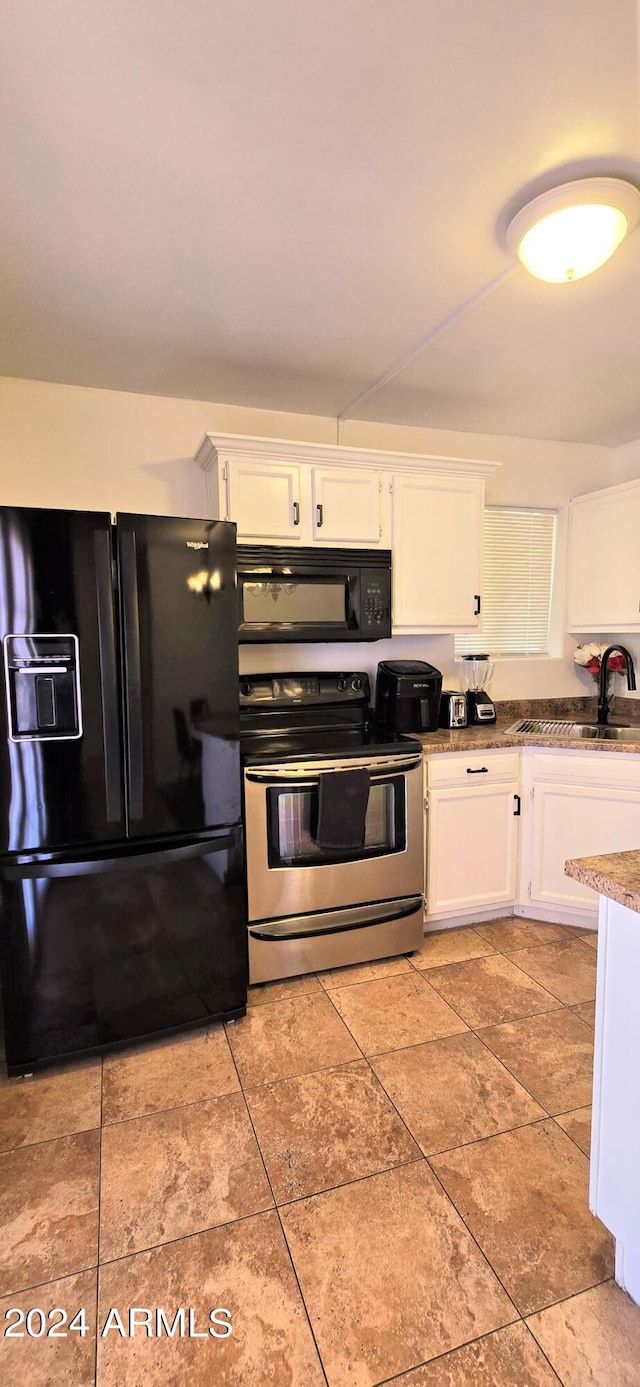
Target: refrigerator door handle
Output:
[(129, 861), (131, 627), (108, 676)]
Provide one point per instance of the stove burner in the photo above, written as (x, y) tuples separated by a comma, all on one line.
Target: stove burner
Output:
[(284, 717)]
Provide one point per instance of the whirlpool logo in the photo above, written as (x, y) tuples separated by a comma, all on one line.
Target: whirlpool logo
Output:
[(197, 544)]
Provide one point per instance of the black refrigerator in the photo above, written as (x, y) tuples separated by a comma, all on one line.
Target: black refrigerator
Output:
[(122, 912)]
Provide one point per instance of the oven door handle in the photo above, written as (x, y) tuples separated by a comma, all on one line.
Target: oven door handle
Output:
[(298, 773)]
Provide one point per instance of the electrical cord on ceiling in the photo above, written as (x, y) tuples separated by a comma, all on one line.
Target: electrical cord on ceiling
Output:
[(421, 346)]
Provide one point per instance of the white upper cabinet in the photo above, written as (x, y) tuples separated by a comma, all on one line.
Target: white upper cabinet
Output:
[(604, 560), (437, 552), (346, 505), (264, 499), (428, 510)]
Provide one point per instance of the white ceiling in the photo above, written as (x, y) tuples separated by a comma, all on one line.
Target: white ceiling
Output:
[(269, 202)]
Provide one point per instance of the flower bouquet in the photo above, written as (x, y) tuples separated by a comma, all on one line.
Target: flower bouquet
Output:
[(590, 657)]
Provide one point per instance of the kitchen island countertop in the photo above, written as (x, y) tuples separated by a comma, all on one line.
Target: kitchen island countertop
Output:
[(614, 874)]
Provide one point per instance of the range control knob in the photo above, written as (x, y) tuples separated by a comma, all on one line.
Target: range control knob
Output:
[(342, 683), (246, 689), (356, 684)]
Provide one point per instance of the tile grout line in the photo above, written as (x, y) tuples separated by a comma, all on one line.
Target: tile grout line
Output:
[(544, 1353), (418, 1160), (400, 1047), (380, 1085), (103, 1126), (526, 1314), (171, 1107), (473, 1141), (426, 1362), (51, 1281), (456, 1211), (48, 1141), (480, 1037), (483, 1254), (542, 1012), (277, 1212), (568, 1134), (471, 1027), (576, 1003)]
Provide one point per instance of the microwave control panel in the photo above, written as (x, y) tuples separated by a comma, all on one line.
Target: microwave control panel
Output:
[(374, 599)]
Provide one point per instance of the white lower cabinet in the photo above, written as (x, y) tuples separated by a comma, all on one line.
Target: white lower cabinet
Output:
[(581, 806), (482, 854), (473, 820)]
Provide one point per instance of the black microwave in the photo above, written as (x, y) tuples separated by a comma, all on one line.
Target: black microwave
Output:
[(291, 594)]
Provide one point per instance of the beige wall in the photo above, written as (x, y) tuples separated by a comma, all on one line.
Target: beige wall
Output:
[(98, 449), (626, 461)]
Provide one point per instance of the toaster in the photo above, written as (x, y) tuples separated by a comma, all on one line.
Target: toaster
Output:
[(453, 709)]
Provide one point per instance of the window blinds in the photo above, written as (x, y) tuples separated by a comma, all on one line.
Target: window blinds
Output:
[(517, 577)]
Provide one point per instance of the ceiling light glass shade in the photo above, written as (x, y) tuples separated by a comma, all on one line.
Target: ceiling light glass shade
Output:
[(570, 231)]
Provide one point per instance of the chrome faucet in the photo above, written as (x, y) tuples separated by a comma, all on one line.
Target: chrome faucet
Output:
[(603, 711)]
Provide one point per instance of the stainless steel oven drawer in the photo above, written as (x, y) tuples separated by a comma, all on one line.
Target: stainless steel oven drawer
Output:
[(285, 947)]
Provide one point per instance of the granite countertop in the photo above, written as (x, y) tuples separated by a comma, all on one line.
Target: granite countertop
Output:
[(496, 735), (615, 874)]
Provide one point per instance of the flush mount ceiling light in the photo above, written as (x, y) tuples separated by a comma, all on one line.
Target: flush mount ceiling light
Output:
[(571, 230)]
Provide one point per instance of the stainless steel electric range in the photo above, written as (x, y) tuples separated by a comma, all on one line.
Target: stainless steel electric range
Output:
[(316, 903)]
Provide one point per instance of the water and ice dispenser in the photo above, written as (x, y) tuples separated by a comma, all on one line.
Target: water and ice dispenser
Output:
[(43, 687)]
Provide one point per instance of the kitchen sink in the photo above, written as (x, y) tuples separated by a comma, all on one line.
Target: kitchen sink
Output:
[(580, 731)]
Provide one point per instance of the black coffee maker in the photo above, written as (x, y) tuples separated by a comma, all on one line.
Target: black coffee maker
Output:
[(407, 696)]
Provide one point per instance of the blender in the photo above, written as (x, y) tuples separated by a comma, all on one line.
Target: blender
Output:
[(477, 673)]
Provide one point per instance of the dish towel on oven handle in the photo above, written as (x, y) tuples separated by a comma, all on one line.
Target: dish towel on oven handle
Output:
[(343, 797)]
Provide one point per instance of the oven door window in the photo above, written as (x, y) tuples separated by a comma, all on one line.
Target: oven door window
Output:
[(292, 819), (302, 602)]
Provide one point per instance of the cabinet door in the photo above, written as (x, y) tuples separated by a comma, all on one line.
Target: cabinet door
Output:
[(604, 561), (346, 506), (437, 552), (472, 839), (577, 821), (264, 499)]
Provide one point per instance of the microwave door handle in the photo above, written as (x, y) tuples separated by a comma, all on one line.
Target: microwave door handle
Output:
[(350, 616)]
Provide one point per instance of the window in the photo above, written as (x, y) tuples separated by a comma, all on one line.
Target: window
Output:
[(516, 587)]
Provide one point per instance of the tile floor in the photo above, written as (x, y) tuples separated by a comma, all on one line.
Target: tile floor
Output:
[(381, 1173)]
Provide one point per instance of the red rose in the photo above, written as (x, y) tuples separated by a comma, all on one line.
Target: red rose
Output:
[(616, 663), (594, 665)]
